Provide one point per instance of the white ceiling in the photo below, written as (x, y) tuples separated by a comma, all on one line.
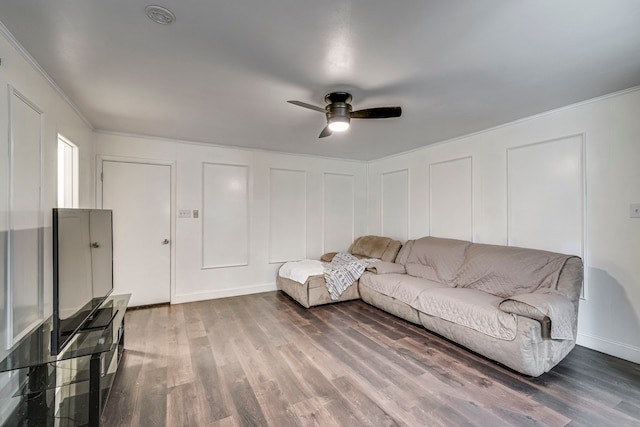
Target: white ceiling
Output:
[(222, 73)]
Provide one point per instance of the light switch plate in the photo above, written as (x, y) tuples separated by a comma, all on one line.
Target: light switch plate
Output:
[(184, 213), (196, 213), (635, 210)]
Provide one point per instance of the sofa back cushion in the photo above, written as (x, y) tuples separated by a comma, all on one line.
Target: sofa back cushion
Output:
[(379, 247), (503, 271), (433, 258), (506, 271), (392, 250)]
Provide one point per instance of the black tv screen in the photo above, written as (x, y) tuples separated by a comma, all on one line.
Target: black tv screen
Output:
[(82, 269)]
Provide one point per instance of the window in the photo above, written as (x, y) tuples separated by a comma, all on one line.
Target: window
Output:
[(67, 173)]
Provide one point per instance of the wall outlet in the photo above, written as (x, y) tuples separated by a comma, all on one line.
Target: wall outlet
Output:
[(635, 210), (184, 213)]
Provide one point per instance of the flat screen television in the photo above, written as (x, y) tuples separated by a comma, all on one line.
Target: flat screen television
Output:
[(82, 270)]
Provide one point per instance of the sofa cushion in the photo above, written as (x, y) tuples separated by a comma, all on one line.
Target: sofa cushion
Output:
[(392, 250), (300, 271), (433, 258), (384, 267), (506, 270), (399, 286), (375, 247), (328, 257), (472, 308), (423, 271)]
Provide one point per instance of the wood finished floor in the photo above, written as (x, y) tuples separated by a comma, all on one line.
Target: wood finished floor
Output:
[(263, 360)]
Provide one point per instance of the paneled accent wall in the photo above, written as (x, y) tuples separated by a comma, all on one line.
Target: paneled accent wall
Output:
[(26, 222), (451, 199), (225, 205), (287, 215), (546, 195), (338, 211), (395, 204)]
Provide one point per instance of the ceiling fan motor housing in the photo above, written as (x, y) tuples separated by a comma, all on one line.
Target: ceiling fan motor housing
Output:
[(338, 109), (338, 105)]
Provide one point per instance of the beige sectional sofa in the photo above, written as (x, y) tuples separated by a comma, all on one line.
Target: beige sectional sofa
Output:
[(513, 305), (313, 291)]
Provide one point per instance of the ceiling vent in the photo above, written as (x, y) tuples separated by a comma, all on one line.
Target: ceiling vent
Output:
[(160, 14)]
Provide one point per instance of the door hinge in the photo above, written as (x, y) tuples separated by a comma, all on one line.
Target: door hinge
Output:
[(102, 176)]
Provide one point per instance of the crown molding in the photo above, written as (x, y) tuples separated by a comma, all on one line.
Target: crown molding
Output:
[(27, 56), (513, 122), (222, 146)]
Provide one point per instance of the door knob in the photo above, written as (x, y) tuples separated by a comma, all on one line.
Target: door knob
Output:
[(165, 242)]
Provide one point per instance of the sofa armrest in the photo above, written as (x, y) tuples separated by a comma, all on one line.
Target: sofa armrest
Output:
[(571, 278), (384, 267), (546, 303), (526, 310), (521, 309), (328, 257)]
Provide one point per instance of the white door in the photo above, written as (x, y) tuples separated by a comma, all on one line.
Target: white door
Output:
[(140, 196)]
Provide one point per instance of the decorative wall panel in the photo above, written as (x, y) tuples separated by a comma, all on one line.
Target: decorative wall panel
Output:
[(451, 199), (338, 207), (546, 195), (225, 228), (25, 251), (287, 215), (395, 204)]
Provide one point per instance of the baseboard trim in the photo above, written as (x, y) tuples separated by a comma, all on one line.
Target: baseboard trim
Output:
[(613, 348), (223, 293)]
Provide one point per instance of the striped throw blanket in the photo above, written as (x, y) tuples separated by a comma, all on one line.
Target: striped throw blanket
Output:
[(342, 271)]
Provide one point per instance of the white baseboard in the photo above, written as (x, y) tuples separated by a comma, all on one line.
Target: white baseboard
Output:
[(223, 293), (604, 345)]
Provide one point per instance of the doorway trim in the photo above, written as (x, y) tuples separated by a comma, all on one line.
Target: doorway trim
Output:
[(100, 159)]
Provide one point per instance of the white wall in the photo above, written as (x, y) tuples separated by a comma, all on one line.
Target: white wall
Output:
[(601, 142), (287, 198), (19, 75)]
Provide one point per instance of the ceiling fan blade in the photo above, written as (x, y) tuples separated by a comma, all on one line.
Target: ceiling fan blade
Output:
[(325, 132), (377, 113), (309, 106)]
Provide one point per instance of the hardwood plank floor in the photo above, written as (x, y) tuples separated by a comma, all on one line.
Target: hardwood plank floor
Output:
[(263, 360)]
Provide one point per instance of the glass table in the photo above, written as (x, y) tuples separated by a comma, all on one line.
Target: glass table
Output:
[(71, 388)]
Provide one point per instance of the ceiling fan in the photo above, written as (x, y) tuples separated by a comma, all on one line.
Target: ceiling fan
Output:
[(339, 114)]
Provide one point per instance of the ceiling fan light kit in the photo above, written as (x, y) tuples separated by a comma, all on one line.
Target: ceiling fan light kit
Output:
[(338, 124), (339, 112)]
